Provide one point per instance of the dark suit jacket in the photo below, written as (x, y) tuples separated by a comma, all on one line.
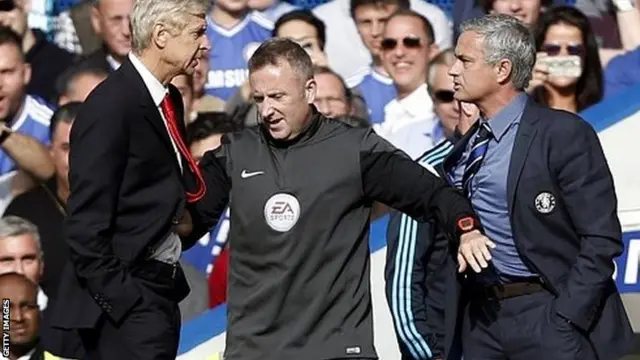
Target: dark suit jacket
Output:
[(573, 246), (127, 192)]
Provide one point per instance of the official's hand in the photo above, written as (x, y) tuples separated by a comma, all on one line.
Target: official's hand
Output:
[(540, 72), (474, 251), (185, 226)]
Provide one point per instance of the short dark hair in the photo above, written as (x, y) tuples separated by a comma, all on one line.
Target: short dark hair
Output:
[(487, 5), (10, 37), (65, 80), (401, 4), (428, 28), (275, 50), (64, 114), (210, 123), (325, 70), (306, 16)]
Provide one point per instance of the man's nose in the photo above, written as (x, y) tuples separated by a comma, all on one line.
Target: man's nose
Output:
[(206, 44), (456, 105), (453, 70), (16, 314), (266, 110), (125, 27), (376, 28)]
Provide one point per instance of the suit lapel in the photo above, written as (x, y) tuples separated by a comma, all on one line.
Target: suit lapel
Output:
[(151, 113), (458, 149), (524, 138)]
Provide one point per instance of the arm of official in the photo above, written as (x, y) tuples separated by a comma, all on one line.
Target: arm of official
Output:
[(588, 194), (97, 162), (409, 246), (391, 177), (206, 212)]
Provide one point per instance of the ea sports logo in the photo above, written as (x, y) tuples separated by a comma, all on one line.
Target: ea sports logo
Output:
[(282, 212)]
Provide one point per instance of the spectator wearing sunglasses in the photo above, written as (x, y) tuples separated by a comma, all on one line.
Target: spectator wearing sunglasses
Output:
[(373, 81), (407, 48), (571, 85)]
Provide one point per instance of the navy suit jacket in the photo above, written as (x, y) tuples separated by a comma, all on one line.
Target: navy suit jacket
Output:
[(572, 246)]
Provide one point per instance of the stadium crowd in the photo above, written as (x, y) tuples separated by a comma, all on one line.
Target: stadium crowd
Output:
[(378, 63)]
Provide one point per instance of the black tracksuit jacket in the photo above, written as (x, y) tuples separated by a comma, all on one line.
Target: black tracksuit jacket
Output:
[(298, 285)]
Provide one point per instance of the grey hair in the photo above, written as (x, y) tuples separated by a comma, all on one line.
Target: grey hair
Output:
[(445, 58), (15, 226), (148, 13), (505, 37)]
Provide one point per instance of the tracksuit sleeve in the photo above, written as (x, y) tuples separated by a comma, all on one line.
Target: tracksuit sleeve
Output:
[(408, 247), (206, 213), (392, 178)]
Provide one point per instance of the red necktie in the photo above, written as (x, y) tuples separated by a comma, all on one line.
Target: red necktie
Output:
[(170, 114)]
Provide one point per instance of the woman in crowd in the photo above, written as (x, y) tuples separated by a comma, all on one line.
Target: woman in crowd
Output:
[(568, 83)]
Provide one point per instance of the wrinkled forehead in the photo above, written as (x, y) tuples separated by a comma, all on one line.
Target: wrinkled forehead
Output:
[(400, 26), (275, 76)]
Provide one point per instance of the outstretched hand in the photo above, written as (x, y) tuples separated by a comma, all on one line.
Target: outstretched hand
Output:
[(474, 251)]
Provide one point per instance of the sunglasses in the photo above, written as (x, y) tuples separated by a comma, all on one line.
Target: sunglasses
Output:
[(408, 42), (554, 49), (443, 96)]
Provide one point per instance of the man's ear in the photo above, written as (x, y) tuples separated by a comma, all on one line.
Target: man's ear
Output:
[(160, 35), (95, 20), (434, 50), (310, 90), (503, 70), (26, 74)]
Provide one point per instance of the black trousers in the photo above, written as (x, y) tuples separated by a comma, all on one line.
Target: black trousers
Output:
[(151, 331), (521, 328)]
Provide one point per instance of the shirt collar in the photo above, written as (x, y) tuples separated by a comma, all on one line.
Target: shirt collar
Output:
[(415, 102), (155, 87), (115, 64), (507, 116)]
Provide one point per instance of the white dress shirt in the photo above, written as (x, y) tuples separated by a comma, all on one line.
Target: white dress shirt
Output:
[(170, 248), (399, 113), (409, 122)]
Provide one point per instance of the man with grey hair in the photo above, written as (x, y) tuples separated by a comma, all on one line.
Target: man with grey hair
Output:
[(540, 183), (21, 251), (131, 177)]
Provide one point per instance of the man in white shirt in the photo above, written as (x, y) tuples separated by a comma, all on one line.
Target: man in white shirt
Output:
[(347, 54), (407, 48)]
